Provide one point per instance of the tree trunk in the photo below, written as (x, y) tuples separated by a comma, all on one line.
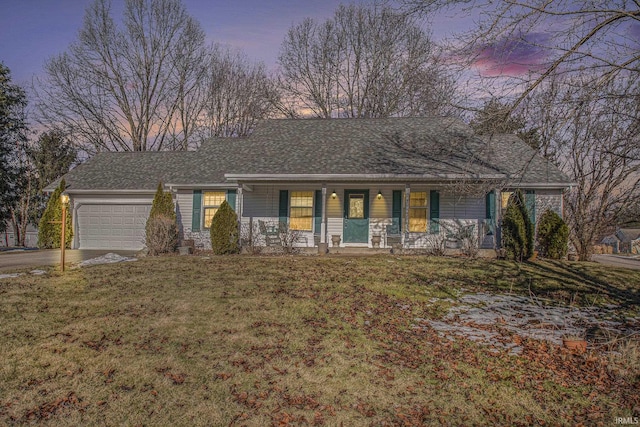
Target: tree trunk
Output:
[(584, 251), (18, 238)]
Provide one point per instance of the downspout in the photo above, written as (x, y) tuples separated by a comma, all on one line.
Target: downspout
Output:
[(178, 213), (407, 203), (74, 224), (498, 218), (239, 207), (323, 223)]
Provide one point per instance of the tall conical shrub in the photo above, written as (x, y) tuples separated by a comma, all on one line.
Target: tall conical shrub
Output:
[(162, 228), (49, 227), (224, 231), (529, 228), (163, 203), (517, 229), (553, 235)]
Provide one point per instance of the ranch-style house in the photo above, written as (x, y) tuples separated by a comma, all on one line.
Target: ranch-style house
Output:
[(392, 182)]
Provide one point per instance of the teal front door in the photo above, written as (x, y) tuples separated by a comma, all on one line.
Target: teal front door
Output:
[(356, 216)]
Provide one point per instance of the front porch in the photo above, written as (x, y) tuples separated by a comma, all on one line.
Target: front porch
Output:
[(453, 234), (357, 217)]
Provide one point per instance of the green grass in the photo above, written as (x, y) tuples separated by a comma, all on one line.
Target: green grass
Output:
[(295, 340)]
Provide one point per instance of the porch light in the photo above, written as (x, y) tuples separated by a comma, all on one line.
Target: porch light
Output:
[(379, 194), (334, 195)]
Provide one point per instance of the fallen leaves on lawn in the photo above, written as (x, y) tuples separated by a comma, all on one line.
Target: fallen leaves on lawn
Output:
[(175, 377), (49, 409)]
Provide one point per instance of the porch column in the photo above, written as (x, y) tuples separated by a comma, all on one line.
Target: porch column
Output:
[(323, 222), (407, 203), (239, 205), (498, 213), (498, 217)]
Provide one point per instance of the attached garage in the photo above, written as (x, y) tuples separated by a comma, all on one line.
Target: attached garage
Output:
[(111, 226)]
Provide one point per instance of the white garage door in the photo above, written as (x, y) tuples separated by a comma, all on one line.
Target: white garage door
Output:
[(112, 226)]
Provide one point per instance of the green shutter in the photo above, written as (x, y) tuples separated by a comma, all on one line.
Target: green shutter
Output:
[(530, 203), (283, 209), (231, 198), (434, 204), (196, 219), (490, 204), (317, 212), (396, 212)]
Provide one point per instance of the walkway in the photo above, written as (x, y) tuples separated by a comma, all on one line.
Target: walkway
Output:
[(618, 261), (18, 259)]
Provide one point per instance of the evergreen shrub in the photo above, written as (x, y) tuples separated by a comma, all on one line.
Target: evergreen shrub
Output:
[(224, 231), (49, 227), (553, 235), (162, 228), (517, 229), (529, 228), (161, 234)]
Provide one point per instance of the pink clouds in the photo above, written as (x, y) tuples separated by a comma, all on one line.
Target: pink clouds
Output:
[(512, 57)]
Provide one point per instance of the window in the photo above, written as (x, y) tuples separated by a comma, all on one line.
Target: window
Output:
[(505, 198), (356, 206), (211, 201), (418, 212), (301, 211)]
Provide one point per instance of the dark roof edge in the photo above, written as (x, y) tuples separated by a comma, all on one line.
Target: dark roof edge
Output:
[(111, 191), (360, 177)]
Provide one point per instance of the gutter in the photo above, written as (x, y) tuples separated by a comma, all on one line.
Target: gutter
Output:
[(358, 177), (116, 192), (540, 185), (200, 186), (443, 178), (234, 179)]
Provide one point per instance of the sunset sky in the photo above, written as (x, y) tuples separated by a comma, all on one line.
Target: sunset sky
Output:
[(31, 31)]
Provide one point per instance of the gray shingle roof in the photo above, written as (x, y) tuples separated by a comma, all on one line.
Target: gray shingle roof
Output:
[(433, 147), (628, 234), (126, 171)]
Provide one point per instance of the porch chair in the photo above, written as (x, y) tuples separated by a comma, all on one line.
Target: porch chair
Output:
[(393, 236), (271, 234)]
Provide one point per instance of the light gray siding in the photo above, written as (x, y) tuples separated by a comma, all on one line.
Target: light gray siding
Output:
[(184, 210), (261, 202), (548, 199), (461, 207)]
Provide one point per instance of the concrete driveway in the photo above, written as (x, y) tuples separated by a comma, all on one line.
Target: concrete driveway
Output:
[(14, 260), (618, 261)]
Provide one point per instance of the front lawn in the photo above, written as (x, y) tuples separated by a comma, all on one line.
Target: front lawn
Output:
[(303, 341)]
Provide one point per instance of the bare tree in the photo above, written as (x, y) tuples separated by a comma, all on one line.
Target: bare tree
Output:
[(237, 93), (593, 38), (21, 209), (366, 61), (571, 69), (595, 139), (127, 86)]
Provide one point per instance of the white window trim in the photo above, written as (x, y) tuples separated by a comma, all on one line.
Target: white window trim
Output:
[(205, 207)]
